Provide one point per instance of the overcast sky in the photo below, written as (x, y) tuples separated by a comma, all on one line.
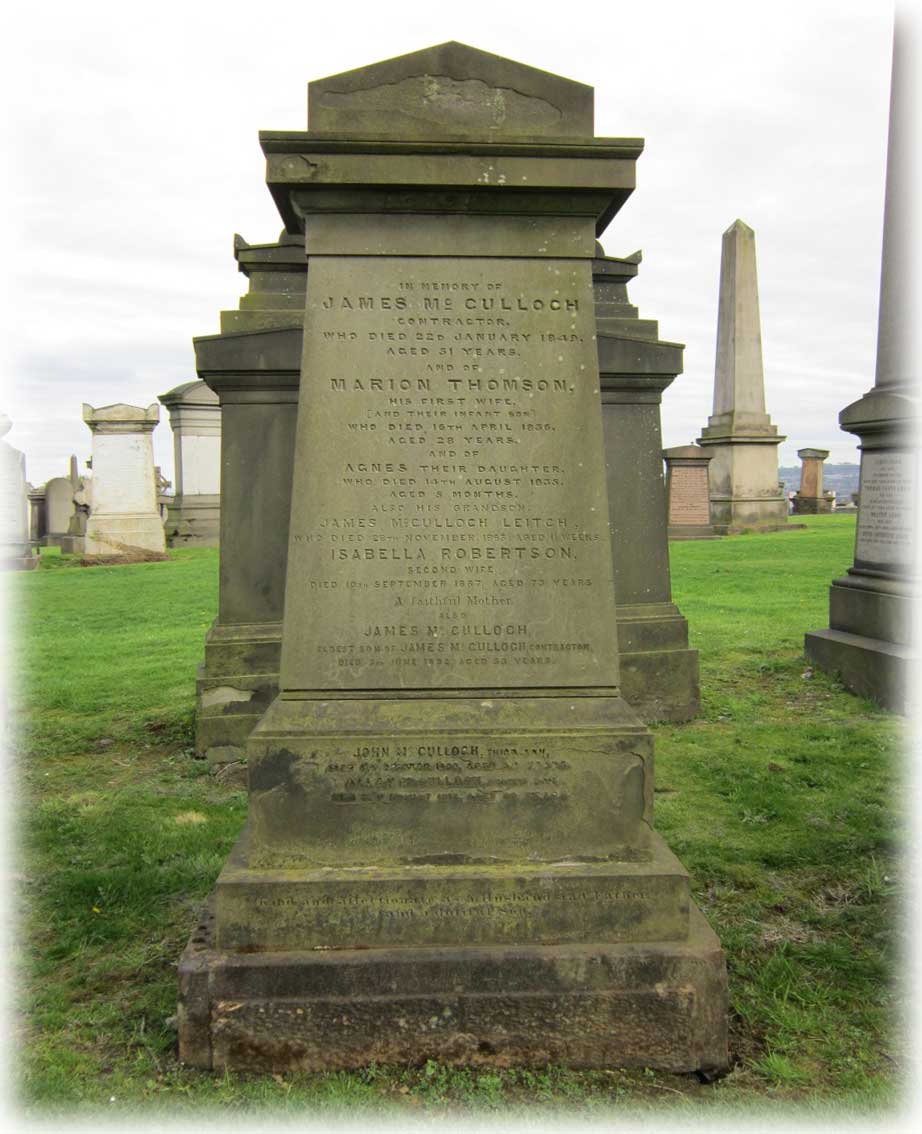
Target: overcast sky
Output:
[(133, 136)]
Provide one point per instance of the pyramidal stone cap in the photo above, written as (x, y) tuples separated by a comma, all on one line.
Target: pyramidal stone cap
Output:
[(450, 90)]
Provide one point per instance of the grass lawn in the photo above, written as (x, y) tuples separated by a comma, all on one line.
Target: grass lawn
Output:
[(784, 799)]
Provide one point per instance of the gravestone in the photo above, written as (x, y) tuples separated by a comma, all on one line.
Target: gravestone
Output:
[(124, 520), (16, 552), (740, 436), (60, 507), (449, 851), (194, 510), (689, 510), (659, 673), (810, 499), (869, 642)]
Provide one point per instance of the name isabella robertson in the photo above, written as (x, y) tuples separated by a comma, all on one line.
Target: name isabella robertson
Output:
[(446, 554)]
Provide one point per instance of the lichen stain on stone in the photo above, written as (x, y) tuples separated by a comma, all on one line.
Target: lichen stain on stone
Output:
[(449, 102), (224, 695)]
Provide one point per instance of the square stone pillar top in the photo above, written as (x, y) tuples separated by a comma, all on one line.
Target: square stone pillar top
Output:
[(450, 90), (449, 130), (285, 255), (121, 418), (686, 454), (616, 267), (814, 454)]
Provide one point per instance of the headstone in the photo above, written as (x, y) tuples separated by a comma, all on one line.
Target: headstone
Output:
[(659, 673), (124, 520), (59, 510), (253, 366), (810, 500), (449, 852), (687, 492), (15, 549), (869, 642), (194, 510), (740, 436)]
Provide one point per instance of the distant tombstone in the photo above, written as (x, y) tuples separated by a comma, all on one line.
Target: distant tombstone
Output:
[(124, 519), (450, 852), (688, 498), (59, 510), (810, 500), (15, 549), (38, 524), (193, 512), (869, 642), (739, 435)]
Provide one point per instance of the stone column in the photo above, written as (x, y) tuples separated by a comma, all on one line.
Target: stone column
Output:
[(869, 642), (16, 552), (810, 499), (659, 673), (193, 513), (124, 518), (740, 436), (688, 506), (253, 367)]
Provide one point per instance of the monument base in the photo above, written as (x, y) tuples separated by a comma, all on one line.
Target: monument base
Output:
[(234, 686), (691, 531), (659, 1005), (868, 640), (21, 561), (193, 521), (124, 534), (813, 505), (659, 673)]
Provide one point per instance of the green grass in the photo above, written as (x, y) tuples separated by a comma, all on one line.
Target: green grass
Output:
[(784, 799)]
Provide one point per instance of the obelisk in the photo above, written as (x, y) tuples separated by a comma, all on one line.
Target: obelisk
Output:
[(869, 641), (740, 437)]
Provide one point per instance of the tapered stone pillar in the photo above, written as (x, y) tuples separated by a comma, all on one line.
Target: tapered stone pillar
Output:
[(450, 852), (740, 437), (869, 642)]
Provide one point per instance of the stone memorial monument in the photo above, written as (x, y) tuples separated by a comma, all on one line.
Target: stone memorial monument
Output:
[(810, 499), (869, 643), (193, 513), (123, 516), (687, 492), (16, 552), (449, 851), (659, 673), (740, 436)]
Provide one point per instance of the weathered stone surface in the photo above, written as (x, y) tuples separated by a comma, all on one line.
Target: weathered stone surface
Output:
[(869, 641), (740, 436), (434, 92), (15, 549), (583, 1005), (687, 492), (449, 781), (810, 498), (124, 518), (659, 673)]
